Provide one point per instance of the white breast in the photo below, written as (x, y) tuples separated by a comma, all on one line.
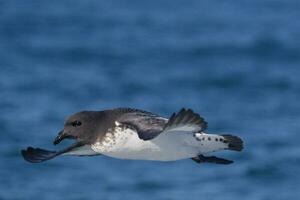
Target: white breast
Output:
[(123, 142)]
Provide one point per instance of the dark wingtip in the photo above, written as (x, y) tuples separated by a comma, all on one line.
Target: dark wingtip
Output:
[(37, 155), (211, 159), (226, 162)]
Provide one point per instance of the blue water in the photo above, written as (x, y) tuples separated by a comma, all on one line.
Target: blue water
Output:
[(237, 63)]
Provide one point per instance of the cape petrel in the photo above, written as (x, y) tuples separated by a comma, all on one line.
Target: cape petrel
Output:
[(127, 133)]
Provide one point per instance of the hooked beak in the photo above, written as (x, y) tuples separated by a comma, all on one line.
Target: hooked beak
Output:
[(59, 138)]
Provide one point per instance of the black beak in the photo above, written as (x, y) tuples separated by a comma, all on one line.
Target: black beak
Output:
[(59, 138)]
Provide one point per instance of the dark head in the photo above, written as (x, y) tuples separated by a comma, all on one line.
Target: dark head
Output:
[(81, 126)]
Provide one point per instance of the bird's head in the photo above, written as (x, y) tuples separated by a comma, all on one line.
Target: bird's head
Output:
[(78, 126)]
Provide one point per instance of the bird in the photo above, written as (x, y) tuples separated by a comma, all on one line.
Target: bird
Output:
[(128, 133)]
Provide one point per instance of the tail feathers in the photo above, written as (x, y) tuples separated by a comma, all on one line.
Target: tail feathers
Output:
[(186, 120), (37, 155), (211, 159), (234, 143)]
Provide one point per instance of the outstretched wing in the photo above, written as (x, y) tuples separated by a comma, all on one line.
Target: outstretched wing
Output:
[(37, 155), (149, 125)]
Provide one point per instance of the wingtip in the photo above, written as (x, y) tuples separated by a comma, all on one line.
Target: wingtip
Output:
[(212, 159), (23, 153), (36, 155), (228, 162), (26, 154)]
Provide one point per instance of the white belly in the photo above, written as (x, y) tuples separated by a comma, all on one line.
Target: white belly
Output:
[(127, 145), (124, 143)]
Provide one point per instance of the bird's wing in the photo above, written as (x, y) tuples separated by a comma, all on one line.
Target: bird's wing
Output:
[(185, 120), (36, 155), (149, 126)]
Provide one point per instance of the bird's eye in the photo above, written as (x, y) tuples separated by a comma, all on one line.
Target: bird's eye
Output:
[(76, 123)]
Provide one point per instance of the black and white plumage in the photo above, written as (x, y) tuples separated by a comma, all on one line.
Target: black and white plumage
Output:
[(135, 134)]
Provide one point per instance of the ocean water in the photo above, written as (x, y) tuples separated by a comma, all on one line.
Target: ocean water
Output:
[(237, 63)]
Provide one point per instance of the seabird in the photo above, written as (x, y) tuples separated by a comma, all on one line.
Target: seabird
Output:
[(127, 133)]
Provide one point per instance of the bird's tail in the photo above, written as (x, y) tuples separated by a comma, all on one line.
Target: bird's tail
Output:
[(235, 143), (211, 142)]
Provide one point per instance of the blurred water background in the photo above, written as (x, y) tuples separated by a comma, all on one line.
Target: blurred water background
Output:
[(237, 63)]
